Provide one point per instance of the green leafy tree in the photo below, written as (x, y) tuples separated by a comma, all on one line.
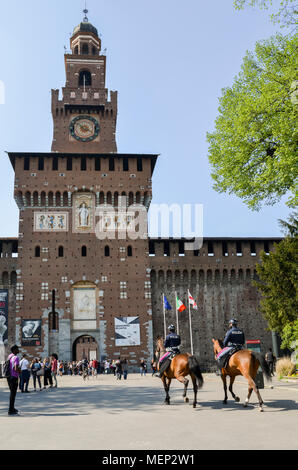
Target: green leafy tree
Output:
[(253, 150), (278, 283), (286, 14), (290, 335)]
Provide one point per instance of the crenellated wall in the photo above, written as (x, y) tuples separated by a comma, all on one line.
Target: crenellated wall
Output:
[(219, 278)]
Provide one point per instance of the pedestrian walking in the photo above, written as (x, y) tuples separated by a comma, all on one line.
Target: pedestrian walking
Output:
[(118, 368), (113, 367), (35, 372), (143, 368), (270, 359), (107, 367), (12, 378), (94, 366), (47, 373), (25, 374), (60, 368), (54, 368), (125, 368)]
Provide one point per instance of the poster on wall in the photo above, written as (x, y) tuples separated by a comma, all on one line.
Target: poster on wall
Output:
[(31, 332), (127, 331), (3, 315)]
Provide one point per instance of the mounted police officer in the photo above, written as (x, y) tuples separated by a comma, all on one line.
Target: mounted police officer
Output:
[(172, 343), (234, 340), (234, 336)]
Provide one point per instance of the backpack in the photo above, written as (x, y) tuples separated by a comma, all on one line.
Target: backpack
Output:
[(6, 369)]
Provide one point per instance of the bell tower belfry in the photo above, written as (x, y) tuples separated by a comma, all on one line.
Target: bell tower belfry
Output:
[(85, 118)]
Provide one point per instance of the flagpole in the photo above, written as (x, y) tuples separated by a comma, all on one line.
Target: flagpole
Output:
[(164, 315), (177, 321), (190, 325)]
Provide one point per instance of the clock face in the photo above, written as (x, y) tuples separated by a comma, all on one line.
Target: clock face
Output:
[(84, 128)]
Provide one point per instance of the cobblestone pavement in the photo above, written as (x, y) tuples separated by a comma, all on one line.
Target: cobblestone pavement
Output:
[(103, 413)]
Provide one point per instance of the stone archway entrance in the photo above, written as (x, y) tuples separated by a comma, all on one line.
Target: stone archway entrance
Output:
[(85, 346)]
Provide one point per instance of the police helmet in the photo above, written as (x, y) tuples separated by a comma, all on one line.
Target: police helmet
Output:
[(233, 322), (171, 328)]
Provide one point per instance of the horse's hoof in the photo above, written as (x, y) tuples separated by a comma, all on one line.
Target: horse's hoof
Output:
[(225, 402), (237, 399), (261, 409), (186, 400)]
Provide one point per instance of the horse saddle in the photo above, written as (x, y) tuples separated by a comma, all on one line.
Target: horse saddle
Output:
[(224, 356), (169, 355)]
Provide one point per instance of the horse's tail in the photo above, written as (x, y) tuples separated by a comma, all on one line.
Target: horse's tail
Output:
[(263, 364), (195, 369)]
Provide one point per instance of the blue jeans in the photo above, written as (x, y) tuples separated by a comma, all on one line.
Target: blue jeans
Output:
[(24, 380)]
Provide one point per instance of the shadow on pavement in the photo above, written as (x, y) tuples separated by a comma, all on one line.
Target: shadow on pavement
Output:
[(83, 400)]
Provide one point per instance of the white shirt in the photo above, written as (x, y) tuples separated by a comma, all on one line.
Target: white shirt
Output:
[(24, 364)]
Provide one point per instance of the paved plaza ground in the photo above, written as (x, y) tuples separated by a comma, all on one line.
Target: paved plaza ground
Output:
[(103, 413)]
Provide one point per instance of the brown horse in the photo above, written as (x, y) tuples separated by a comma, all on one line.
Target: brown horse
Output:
[(181, 366), (245, 363)]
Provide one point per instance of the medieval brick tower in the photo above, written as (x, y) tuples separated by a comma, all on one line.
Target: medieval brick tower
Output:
[(83, 295)]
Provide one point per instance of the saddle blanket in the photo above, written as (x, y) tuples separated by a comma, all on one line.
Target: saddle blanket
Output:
[(165, 356), (223, 352), (224, 355)]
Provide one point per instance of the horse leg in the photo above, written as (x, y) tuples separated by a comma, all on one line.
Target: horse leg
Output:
[(185, 393), (250, 389), (252, 385), (195, 390), (224, 380), (185, 382), (167, 388), (232, 379)]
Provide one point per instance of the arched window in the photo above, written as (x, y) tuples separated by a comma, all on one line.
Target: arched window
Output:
[(13, 278), (85, 78), (84, 250), (37, 252), (5, 278), (94, 50), (107, 250), (76, 50), (85, 49), (60, 251), (129, 251)]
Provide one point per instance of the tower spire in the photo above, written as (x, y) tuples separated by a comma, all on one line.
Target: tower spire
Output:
[(85, 11)]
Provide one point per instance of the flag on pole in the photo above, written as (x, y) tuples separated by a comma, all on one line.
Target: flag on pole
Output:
[(166, 303), (179, 305), (191, 301)]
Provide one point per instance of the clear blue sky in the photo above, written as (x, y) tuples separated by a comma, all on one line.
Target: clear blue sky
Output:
[(168, 59)]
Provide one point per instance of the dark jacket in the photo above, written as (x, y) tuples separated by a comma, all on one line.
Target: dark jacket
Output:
[(172, 341), (234, 336)]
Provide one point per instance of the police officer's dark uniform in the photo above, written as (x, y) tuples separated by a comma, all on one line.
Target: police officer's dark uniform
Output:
[(234, 336), (172, 343)]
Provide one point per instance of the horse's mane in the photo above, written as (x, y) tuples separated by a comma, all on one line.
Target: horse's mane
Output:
[(220, 342)]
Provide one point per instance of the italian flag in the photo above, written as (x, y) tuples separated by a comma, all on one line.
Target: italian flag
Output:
[(191, 301), (180, 305)]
